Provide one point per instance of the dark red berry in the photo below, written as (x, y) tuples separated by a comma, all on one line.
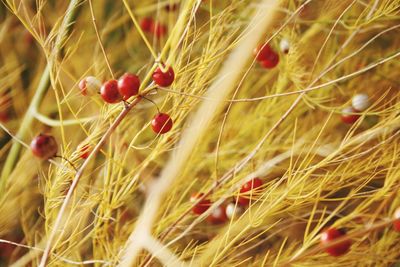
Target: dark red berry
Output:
[(164, 79), (6, 251), (126, 216), (348, 116), (44, 146), (28, 37), (396, 222), (246, 191), (4, 116), (171, 7), (161, 123), (128, 85), (84, 151), (109, 92), (5, 104), (201, 206), (146, 24), (338, 249), (158, 29), (218, 216)]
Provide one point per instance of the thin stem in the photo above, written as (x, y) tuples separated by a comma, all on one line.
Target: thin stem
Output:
[(148, 99), (78, 176), (153, 53), (231, 73), (99, 38), (67, 160), (86, 262)]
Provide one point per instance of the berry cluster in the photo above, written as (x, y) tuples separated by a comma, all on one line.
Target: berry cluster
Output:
[(224, 212), (253, 187), (113, 91), (127, 86), (360, 102)]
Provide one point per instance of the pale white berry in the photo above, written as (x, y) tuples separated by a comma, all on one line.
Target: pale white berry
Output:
[(217, 212), (284, 45), (233, 210), (360, 102), (89, 85), (396, 214)]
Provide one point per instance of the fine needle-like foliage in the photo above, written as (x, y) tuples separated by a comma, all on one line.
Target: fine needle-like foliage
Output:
[(127, 201)]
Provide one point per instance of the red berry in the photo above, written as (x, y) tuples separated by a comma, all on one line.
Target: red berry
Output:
[(161, 123), (44, 146), (109, 92), (158, 29), (396, 222), (5, 104), (164, 79), (338, 249), (28, 37), (126, 216), (201, 206), (348, 117), (4, 116), (244, 199), (262, 52), (218, 216), (146, 24), (6, 251), (266, 56), (128, 85), (85, 151), (271, 62)]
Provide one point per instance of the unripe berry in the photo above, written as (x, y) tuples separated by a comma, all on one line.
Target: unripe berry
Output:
[(164, 79), (202, 206), (232, 210), (348, 115), (128, 85), (161, 123), (109, 92), (360, 102), (89, 85), (44, 146), (338, 249), (247, 191), (284, 45)]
